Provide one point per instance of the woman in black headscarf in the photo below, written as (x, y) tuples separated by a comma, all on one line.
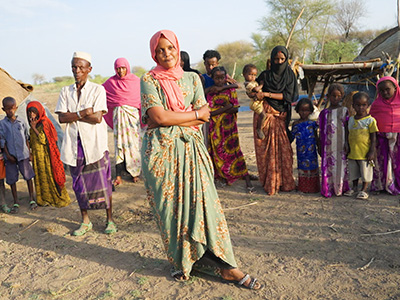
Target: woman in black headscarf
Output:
[(274, 152)]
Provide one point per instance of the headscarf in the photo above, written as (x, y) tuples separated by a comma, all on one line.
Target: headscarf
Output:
[(121, 90), (280, 79), (50, 132), (168, 77), (387, 111)]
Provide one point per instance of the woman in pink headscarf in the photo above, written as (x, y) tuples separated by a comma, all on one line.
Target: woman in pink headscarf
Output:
[(123, 102), (178, 172), (386, 110)]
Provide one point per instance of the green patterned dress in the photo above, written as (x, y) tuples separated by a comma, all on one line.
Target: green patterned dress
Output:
[(180, 186)]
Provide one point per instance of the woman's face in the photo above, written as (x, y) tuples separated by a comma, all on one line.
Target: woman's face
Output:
[(121, 71), (386, 89), (166, 54), (279, 58)]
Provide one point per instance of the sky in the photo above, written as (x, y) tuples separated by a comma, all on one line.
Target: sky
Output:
[(40, 36)]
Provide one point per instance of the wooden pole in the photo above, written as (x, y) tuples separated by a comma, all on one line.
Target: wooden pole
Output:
[(294, 25)]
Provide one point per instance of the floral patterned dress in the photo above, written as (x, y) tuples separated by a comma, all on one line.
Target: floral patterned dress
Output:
[(334, 174), (127, 138), (179, 180), (307, 158), (223, 139)]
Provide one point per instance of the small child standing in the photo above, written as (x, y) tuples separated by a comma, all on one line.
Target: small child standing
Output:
[(14, 143), (305, 133), (223, 141), (252, 87), (49, 169), (333, 127), (362, 142)]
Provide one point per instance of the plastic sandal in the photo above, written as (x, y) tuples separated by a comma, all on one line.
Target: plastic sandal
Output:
[(5, 209), (349, 193), (14, 209), (362, 195), (253, 285), (251, 189), (111, 228), (33, 205), (178, 275), (83, 229)]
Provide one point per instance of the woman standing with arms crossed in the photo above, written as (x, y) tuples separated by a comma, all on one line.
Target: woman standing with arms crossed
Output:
[(274, 152), (123, 104), (178, 171)]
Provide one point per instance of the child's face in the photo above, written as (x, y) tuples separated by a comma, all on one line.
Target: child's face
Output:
[(305, 111), (210, 63), (335, 97), (219, 78), (10, 109), (32, 116), (251, 75), (386, 89), (361, 106)]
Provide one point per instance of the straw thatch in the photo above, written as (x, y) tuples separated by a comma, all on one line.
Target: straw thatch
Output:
[(9, 87)]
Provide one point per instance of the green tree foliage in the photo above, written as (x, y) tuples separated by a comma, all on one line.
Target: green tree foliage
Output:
[(336, 51), (138, 71), (239, 53), (282, 17), (63, 79)]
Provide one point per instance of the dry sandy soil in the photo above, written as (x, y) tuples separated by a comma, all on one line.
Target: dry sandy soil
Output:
[(302, 246)]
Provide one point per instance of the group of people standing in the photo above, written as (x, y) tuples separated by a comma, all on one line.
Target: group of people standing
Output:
[(177, 165)]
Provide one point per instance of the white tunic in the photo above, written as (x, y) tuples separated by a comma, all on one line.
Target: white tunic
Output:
[(93, 136)]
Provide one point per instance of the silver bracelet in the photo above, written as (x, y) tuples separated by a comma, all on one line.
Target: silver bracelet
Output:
[(197, 114), (78, 114)]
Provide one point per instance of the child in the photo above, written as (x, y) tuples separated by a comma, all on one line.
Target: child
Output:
[(50, 179), (305, 133), (223, 142), (333, 126), (3, 206), (13, 142), (362, 142), (386, 111), (252, 87)]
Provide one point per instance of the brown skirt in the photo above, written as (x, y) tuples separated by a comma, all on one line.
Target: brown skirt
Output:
[(274, 153)]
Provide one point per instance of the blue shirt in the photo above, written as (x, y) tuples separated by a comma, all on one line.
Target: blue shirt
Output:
[(208, 81), (14, 135)]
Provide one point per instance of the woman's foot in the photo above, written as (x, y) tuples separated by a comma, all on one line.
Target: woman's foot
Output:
[(241, 279), (179, 275), (135, 179)]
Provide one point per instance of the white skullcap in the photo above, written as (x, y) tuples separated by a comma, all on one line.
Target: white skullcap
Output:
[(83, 55)]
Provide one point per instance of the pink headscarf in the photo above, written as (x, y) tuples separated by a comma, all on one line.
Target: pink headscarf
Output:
[(387, 111), (121, 91), (168, 77)]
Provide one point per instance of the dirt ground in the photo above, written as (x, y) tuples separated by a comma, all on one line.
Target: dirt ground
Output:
[(302, 246)]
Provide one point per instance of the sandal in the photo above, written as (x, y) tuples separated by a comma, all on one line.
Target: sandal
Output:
[(362, 195), (111, 228), (83, 229), (5, 209), (33, 205), (349, 193), (253, 285), (251, 189), (178, 275), (135, 179), (14, 209)]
